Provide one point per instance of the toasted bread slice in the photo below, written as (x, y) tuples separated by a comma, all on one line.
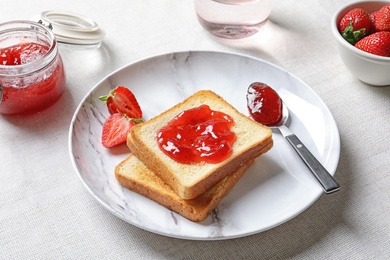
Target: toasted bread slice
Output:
[(191, 180), (134, 175)]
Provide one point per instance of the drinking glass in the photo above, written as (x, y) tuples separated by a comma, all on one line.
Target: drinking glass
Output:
[(233, 19)]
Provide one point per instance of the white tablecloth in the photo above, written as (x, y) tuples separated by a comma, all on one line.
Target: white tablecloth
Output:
[(46, 213)]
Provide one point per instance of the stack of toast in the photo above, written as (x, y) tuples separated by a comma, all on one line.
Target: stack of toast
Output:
[(192, 190)]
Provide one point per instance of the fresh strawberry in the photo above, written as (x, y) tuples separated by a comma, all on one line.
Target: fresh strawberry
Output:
[(372, 20), (116, 128), (382, 19), (359, 19), (377, 43), (355, 25), (122, 100)]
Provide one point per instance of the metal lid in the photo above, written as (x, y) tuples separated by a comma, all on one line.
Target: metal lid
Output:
[(73, 28)]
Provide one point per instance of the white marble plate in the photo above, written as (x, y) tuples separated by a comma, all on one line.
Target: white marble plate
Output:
[(275, 189)]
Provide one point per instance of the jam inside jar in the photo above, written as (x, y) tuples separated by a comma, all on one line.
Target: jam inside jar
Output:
[(198, 135), (32, 76)]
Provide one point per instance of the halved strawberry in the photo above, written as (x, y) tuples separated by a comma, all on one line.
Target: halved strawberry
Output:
[(122, 100), (116, 128)]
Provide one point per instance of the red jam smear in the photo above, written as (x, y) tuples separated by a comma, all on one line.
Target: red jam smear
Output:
[(264, 104), (198, 135), (35, 92)]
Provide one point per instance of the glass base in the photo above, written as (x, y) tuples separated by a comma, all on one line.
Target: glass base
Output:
[(231, 31)]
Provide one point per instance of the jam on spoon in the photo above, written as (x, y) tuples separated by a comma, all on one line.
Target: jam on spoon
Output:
[(266, 107), (264, 104)]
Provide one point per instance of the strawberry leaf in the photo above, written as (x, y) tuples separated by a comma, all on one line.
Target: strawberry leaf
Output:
[(352, 36), (106, 97)]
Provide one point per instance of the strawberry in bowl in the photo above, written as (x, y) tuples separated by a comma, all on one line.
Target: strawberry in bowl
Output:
[(361, 31)]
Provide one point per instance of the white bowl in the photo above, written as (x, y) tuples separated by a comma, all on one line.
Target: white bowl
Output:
[(369, 68)]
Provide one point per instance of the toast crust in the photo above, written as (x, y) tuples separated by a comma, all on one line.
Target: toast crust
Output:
[(191, 180), (135, 176)]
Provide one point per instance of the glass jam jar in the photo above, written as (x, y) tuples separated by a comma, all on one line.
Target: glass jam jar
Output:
[(32, 76)]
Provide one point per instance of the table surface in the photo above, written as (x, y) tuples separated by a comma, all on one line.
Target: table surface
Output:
[(46, 212)]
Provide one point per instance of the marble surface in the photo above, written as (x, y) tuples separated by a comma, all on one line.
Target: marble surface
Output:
[(161, 82), (46, 212)]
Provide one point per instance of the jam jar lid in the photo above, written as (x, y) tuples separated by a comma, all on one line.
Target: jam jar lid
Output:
[(72, 28)]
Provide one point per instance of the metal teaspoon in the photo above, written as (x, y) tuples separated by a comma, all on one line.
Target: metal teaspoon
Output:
[(327, 181)]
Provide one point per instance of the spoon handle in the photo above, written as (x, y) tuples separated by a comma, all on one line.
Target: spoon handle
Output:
[(323, 176)]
